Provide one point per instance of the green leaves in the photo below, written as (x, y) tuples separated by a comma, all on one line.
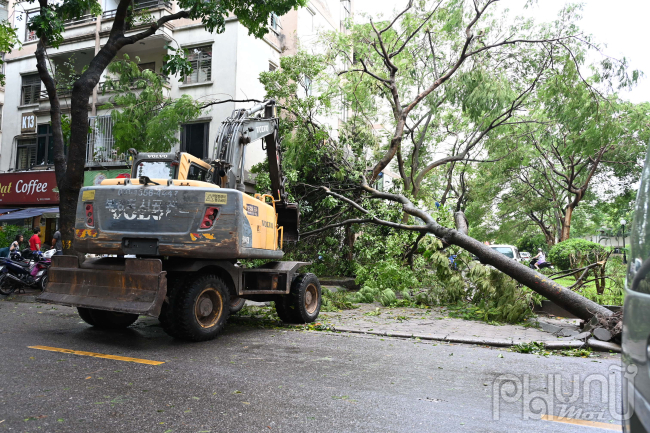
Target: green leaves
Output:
[(8, 40), (148, 119), (176, 63), (254, 15)]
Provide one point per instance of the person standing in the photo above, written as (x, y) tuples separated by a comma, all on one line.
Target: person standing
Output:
[(35, 241), (57, 244)]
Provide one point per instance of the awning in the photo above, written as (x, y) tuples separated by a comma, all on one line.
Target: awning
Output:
[(5, 210), (29, 213)]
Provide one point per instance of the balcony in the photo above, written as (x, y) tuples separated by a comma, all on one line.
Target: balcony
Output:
[(140, 6), (64, 92), (110, 14)]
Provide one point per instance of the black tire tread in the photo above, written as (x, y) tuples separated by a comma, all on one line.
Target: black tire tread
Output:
[(284, 310), (86, 315), (290, 308), (174, 285), (237, 308), (112, 320), (183, 317)]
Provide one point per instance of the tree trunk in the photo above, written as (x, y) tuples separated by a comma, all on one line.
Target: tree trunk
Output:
[(74, 174), (567, 299), (566, 223)]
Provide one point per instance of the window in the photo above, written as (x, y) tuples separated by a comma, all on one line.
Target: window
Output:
[(45, 145), (30, 35), (4, 10), (201, 60), (194, 139), (1, 108), (272, 67), (31, 89), (151, 66), (344, 110), (25, 154), (156, 169), (275, 22), (506, 251), (196, 173)]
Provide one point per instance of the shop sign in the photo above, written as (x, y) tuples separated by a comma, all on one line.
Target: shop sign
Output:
[(28, 188)]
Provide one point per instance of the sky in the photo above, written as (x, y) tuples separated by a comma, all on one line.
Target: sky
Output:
[(621, 25)]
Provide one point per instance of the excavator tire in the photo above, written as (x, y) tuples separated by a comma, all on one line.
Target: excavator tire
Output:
[(303, 303), (84, 313), (236, 304), (174, 285), (284, 310), (106, 319), (200, 310)]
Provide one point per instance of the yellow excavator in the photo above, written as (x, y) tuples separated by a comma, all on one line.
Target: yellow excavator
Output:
[(170, 240)]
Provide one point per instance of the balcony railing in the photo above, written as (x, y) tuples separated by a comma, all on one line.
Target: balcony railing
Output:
[(110, 14), (88, 18), (139, 6), (67, 91)]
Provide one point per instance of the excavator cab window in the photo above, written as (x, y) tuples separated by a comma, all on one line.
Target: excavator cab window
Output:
[(197, 173), (156, 169)]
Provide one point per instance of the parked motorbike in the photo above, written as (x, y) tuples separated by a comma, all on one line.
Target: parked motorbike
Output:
[(26, 269), (541, 265)]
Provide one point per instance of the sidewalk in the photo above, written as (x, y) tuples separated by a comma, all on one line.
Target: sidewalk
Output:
[(435, 324)]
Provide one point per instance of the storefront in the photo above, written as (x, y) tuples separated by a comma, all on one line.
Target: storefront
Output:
[(29, 199)]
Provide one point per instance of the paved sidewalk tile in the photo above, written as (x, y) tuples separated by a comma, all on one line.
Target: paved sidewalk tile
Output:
[(435, 324)]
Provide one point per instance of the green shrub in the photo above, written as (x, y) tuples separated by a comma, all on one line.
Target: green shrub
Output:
[(8, 234), (531, 242), (576, 253), (336, 301)]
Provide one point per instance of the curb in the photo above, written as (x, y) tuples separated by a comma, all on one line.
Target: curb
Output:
[(552, 345)]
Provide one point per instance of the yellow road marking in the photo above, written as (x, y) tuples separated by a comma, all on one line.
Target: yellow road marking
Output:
[(582, 422), (98, 355)]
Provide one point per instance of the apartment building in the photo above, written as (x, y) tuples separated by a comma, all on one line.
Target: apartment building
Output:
[(226, 65)]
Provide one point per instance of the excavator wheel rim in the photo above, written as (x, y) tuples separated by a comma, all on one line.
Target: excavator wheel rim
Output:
[(311, 298), (208, 297)]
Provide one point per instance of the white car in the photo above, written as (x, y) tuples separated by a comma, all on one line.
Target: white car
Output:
[(525, 255), (507, 250)]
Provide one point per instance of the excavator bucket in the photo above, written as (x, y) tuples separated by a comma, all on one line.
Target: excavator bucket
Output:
[(123, 285), (289, 218)]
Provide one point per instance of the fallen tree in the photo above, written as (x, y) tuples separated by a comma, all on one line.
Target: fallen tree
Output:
[(569, 300)]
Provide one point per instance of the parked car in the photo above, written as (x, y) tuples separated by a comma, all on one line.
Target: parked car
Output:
[(636, 321), (525, 255), (508, 251)]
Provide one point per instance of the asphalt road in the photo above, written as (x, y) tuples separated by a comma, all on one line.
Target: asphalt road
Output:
[(261, 380)]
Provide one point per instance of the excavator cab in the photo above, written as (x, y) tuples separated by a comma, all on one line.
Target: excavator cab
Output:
[(159, 168)]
